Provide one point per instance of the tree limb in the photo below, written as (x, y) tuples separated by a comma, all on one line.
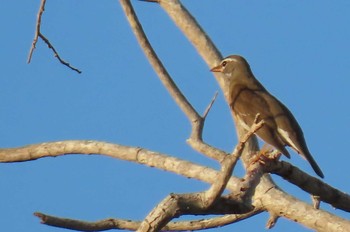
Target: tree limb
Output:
[(122, 224), (148, 158)]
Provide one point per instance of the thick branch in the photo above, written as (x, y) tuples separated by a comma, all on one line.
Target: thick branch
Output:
[(141, 156), (279, 203), (310, 184), (133, 154), (269, 197), (194, 33), (176, 205)]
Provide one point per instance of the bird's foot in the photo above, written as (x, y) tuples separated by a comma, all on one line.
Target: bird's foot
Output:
[(266, 154)]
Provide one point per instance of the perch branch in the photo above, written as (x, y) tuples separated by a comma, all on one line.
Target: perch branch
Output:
[(176, 205), (227, 165), (132, 154), (281, 200), (161, 161), (310, 184)]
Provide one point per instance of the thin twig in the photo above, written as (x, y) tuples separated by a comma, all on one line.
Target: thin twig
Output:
[(37, 29), (210, 106), (271, 222), (39, 34), (56, 53)]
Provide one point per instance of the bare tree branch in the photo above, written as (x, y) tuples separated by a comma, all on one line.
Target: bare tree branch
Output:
[(37, 29), (280, 199), (196, 120), (132, 154), (156, 63), (56, 53), (160, 161), (122, 224), (209, 106), (312, 185), (176, 205), (39, 34), (227, 165)]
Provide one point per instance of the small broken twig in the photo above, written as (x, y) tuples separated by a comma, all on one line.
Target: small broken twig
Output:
[(209, 106)]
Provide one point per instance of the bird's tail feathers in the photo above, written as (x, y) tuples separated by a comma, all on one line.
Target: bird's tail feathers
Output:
[(307, 156)]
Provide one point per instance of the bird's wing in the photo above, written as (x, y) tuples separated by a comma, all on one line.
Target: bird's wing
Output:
[(287, 125), (246, 104), (290, 131)]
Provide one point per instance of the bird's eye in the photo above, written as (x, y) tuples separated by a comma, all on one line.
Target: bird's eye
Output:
[(224, 63)]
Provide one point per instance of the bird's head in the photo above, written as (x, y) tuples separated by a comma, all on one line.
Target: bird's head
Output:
[(233, 66)]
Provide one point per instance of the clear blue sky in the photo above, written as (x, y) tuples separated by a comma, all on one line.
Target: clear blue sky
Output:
[(299, 50)]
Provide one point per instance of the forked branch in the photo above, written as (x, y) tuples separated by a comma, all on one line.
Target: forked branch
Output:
[(196, 120), (47, 41)]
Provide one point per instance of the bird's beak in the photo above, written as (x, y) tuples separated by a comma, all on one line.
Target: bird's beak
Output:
[(218, 68)]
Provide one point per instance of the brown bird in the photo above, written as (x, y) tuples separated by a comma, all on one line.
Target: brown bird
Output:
[(247, 98)]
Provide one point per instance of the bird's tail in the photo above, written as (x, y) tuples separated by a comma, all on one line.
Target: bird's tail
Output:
[(306, 155)]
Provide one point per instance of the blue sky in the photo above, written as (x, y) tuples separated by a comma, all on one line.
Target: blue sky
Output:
[(298, 50)]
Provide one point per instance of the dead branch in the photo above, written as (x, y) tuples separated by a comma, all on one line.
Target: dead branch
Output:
[(206, 112), (37, 29), (123, 224), (156, 63), (196, 120), (160, 161), (48, 43), (310, 184), (176, 205), (167, 163), (56, 53), (227, 165)]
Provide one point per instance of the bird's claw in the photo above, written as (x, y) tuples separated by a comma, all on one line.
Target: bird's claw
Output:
[(266, 154)]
